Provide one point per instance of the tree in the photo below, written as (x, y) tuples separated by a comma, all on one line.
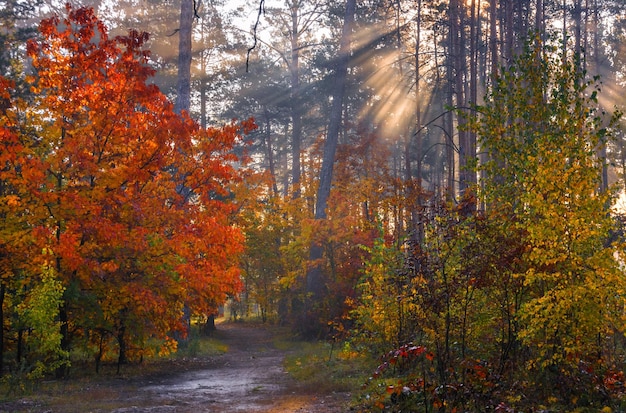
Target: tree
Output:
[(17, 274), (90, 160), (183, 89), (314, 279), (531, 287), (262, 261), (15, 33), (541, 121)]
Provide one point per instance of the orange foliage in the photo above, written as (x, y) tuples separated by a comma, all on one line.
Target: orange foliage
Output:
[(132, 199)]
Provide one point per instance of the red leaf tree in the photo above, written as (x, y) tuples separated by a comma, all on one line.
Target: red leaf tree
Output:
[(129, 201)]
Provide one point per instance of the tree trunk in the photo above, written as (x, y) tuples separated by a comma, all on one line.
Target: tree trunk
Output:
[(577, 19), (62, 371), (296, 112), (493, 38), (209, 326), (183, 88), (539, 23), (269, 151), (419, 236), (509, 31), (334, 124), (314, 278), (471, 137), (203, 101), (19, 347), (122, 357), (467, 178)]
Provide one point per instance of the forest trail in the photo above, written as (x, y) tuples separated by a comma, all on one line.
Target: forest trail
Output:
[(249, 377)]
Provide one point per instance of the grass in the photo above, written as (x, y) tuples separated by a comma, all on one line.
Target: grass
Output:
[(326, 367), (201, 346)]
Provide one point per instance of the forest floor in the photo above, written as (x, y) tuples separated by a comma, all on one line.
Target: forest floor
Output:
[(248, 377)]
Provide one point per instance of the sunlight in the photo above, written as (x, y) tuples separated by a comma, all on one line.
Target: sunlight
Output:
[(619, 206), (483, 4), (393, 107), (388, 76)]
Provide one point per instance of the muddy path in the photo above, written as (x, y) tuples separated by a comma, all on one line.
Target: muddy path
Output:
[(249, 377)]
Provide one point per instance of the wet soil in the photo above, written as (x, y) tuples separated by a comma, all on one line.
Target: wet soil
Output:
[(249, 377)]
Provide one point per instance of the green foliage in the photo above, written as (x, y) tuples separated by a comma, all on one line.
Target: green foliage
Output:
[(526, 296), (200, 345), (542, 129), (40, 312), (383, 296), (263, 262)]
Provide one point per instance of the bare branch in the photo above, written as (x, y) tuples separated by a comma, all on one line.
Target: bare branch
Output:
[(254, 30)]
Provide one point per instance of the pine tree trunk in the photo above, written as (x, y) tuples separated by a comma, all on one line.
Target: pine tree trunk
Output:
[(314, 277), (296, 112)]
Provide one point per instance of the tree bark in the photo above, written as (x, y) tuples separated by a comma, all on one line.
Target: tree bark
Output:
[(269, 151), (419, 236), (296, 112), (539, 16), (63, 370), (122, 357), (183, 88), (493, 38), (334, 124), (458, 76)]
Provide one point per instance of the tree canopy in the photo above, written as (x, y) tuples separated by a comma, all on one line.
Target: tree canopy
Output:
[(117, 197)]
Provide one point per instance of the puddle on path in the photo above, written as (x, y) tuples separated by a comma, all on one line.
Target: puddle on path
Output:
[(247, 387), (248, 378)]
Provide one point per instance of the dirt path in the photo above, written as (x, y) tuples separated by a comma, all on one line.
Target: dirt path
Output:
[(248, 378)]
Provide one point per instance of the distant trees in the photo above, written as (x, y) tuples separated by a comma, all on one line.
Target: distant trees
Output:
[(462, 45), (15, 32), (411, 62)]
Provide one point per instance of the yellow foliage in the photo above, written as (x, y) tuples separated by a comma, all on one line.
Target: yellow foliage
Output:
[(168, 347)]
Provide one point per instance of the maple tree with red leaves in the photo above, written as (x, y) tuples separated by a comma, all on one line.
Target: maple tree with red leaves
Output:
[(126, 201)]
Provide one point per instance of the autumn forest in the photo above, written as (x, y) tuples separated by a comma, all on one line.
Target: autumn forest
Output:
[(436, 184)]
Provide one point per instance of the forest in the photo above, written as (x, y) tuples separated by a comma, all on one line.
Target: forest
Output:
[(438, 184)]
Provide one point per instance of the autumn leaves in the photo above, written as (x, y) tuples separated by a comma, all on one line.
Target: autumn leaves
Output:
[(523, 294), (109, 191)]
